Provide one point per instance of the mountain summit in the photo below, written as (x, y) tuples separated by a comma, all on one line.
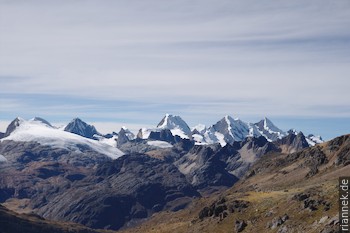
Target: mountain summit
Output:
[(269, 130), (176, 125), (81, 128)]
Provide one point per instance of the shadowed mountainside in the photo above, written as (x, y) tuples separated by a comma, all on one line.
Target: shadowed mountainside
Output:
[(281, 193)]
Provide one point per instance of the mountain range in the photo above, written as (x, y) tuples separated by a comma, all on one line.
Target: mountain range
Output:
[(226, 130), (121, 181)]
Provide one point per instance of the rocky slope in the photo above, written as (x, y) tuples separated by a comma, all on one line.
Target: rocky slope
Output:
[(282, 192), (130, 188)]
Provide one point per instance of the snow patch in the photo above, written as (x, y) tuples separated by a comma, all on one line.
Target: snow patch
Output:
[(108, 141), (2, 159), (200, 128), (159, 144), (145, 132), (221, 138)]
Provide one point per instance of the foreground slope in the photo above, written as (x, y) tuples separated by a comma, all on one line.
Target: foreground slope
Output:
[(12, 222), (281, 193)]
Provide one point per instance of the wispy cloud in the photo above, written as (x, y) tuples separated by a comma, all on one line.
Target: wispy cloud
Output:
[(131, 60)]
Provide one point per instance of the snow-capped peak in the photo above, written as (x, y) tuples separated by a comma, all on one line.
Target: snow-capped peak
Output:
[(38, 131), (293, 131), (269, 126), (17, 121), (313, 140), (14, 125), (81, 128), (267, 129), (228, 130), (176, 125), (127, 132)]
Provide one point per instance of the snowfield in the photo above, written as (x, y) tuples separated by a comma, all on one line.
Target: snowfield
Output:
[(45, 134)]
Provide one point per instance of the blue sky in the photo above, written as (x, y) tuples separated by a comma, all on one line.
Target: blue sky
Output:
[(116, 63)]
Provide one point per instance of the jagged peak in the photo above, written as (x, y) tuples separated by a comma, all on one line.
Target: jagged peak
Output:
[(77, 119), (169, 117), (81, 128)]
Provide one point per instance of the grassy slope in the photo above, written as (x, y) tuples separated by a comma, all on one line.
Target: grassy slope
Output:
[(269, 191)]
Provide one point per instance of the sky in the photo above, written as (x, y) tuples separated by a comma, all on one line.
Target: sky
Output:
[(115, 63)]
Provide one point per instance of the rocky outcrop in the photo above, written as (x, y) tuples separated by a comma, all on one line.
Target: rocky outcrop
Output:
[(221, 208), (203, 167), (314, 157), (12, 126), (277, 221), (122, 138), (240, 225), (292, 142), (342, 146), (311, 201), (163, 135)]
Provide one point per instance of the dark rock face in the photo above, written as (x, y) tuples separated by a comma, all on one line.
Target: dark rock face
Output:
[(122, 138), (203, 167), (167, 136), (293, 142), (343, 145), (259, 145), (12, 126), (2, 135), (183, 144), (235, 156), (162, 135), (81, 128), (131, 187)]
